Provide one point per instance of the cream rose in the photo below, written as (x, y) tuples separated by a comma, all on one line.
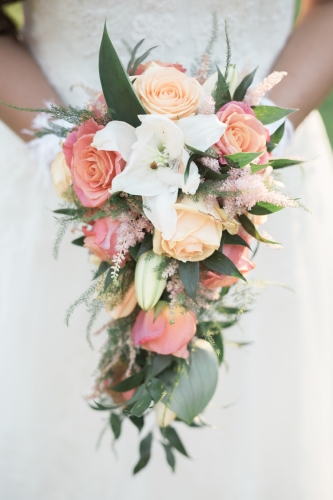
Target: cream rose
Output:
[(61, 175), (198, 231), (168, 92)]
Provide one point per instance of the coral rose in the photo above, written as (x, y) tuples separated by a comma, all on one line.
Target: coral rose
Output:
[(239, 255), (92, 170), (126, 306), (102, 238), (160, 335), (61, 175), (198, 231), (244, 133), (167, 91), (142, 67)]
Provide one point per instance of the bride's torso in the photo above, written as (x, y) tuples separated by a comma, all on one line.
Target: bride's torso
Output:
[(64, 36)]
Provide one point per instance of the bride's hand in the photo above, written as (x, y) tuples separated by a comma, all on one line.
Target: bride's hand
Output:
[(307, 57), (21, 83)]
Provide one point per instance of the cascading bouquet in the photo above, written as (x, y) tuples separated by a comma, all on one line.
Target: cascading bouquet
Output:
[(167, 177)]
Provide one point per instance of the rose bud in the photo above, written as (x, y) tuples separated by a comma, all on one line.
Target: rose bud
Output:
[(148, 287)]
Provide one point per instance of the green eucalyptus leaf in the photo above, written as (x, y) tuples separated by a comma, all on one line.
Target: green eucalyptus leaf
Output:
[(160, 363), (141, 405), (142, 58), (262, 208), (171, 435), (117, 88), (256, 168), (79, 241), (234, 239), (104, 266), (133, 54), (275, 138), (115, 423), (201, 153), (156, 389), (195, 388), (137, 421), (251, 229), (146, 245), (240, 160), (241, 90), (221, 264), (145, 450), (170, 456), (189, 274), (271, 114), (283, 162), (130, 382)]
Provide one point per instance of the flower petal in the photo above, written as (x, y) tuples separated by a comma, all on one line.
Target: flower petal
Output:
[(201, 131), (166, 134), (160, 210), (116, 136)]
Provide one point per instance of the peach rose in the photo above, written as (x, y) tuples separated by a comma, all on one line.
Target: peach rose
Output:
[(167, 91), (239, 255), (92, 170), (244, 134), (126, 306), (142, 67), (102, 238), (61, 175), (160, 335), (198, 231)]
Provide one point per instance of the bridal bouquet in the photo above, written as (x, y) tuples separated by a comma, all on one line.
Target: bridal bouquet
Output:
[(167, 178)]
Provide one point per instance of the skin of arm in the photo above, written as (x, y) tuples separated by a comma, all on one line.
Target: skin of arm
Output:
[(21, 83), (307, 57)]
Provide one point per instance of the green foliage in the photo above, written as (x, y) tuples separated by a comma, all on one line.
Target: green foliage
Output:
[(251, 229), (170, 456), (83, 299), (221, 93), (115, 423), (133, 54), (170, 434), (145, 451), (243, 86), (228, 50), (140, 59), (262, 208), (137, 421), (282, 163), (271, 114), (117, 88), (131, 382), (79, 241), (189, 274), (156, 389), (240, 160), (211, 332), (220, 263), (275, 138), (94, 308), (234, 239), (160, 363)]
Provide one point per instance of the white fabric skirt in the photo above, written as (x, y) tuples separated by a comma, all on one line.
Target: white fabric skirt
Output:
[(272, 415)]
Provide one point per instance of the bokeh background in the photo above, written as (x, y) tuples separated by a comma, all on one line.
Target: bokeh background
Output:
[(15, 11)]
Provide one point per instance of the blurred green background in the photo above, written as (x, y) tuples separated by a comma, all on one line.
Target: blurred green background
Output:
[(326, 109)]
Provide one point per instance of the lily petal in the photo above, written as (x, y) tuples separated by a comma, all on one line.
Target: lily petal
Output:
[(165, 131), (116, 136), (201, 131), (138, 179), (160, 210)]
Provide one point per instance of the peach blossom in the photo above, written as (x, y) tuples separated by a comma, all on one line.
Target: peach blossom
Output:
[(245, 133), (167, 91), (126, 306), (161, 336), (92, 170), (101, 239), (198, 231)]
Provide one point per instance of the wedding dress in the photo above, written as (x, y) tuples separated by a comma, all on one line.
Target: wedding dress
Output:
[(273, 410)]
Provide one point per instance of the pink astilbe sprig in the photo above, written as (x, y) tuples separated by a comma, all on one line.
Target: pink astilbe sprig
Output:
[(203, 70), (132, 230), (211, 163), (207, 105), (254, 95), (247, 189)]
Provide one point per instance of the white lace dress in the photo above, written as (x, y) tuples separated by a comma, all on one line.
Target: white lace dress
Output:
[(273, 410)]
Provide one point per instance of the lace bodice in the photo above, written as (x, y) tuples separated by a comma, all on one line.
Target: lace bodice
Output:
[(64, 35)]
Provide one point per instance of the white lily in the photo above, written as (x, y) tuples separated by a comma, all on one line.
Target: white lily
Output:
[(156, 159)]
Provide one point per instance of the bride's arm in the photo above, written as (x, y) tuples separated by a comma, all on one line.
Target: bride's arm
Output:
[(22, 84), (307, 58)]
